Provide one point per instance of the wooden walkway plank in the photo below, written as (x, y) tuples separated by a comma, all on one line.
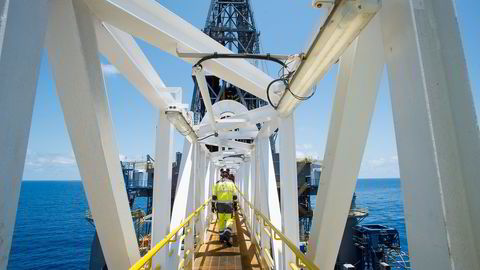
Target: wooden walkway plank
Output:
[(213, 254)]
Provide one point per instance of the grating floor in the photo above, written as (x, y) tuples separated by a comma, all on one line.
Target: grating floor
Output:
[(215, 255)]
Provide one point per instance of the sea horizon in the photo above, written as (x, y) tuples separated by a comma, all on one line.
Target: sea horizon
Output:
[(52, 231)]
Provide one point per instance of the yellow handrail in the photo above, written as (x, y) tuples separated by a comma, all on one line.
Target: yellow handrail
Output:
[(148, 257), (301, 260)]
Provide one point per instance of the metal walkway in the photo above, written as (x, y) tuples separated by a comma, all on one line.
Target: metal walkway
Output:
[(215, 255), (436, 128), (211, 254)]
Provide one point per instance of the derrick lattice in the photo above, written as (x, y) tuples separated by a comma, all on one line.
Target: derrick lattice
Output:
[(231, 23)]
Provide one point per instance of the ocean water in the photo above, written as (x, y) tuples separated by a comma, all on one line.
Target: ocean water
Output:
[(384, 200), (51, 232)]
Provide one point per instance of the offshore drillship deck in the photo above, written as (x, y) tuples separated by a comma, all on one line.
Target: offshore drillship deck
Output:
[(372, 245), (238, 116)]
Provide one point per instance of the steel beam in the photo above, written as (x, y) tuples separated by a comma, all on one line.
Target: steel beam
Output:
[(249, 191), (269, 202), (341, 27), (268, 128), (436, 131), (260, 201), (253, 190), (123, 52), (209, 180), (199, 187), (22, 30), (230, 135), (258, 115), (190, 207), (227, 143), (274, 213), (162, 186), (347, 135), (182, 200), (157, 25), (288, 186), (73, 54), (247, 119), (203, 86)]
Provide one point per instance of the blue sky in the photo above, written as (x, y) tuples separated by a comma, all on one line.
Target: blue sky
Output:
[(286, 26)]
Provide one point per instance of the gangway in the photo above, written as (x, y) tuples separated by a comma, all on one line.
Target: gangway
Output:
[(433, 110), (208, 252)]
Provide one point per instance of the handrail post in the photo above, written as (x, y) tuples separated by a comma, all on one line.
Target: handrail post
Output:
[(186, 225), (301, 261)]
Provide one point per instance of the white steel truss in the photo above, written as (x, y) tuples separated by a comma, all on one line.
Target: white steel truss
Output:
[(435, 125)]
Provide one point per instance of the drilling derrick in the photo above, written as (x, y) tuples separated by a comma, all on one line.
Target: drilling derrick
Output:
[(231, 23)]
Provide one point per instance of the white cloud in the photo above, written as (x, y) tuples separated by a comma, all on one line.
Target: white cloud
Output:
[(308, 154), (50, 166), (306, 150), (109, 69), (300, 154), (45, 159), (381, 167), (377, 162), (137, 157), (304, 146)]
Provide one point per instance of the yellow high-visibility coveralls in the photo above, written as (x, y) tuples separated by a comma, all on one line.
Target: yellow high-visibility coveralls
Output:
[(223, 194)]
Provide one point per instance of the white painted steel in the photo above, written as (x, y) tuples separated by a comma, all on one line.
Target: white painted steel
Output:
[(342, 26), (247, 191), (22, 30), (347, 135), (231, 135), (253, 191), (436, 131), (268, 199), (259, 196), (209, 178), (242, 119), (162, 185), (288, 186), (240, 182), (227, 143), (180, 203), (274, 213), (73, 54), (155, 24), (191, 203), (123, 52), (203, 86), (199, 184), (268, 128)]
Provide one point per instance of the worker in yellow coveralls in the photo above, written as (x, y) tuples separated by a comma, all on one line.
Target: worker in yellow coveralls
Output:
[(223, 195)]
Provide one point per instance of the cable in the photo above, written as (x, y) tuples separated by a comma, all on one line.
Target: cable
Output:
[(216, 55), (283, 76), (285, 82), (300, 97)]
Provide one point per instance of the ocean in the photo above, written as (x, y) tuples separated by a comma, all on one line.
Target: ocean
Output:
[(52, 233)]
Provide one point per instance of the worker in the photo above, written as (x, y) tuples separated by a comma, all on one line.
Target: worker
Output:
[(223, 196)]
